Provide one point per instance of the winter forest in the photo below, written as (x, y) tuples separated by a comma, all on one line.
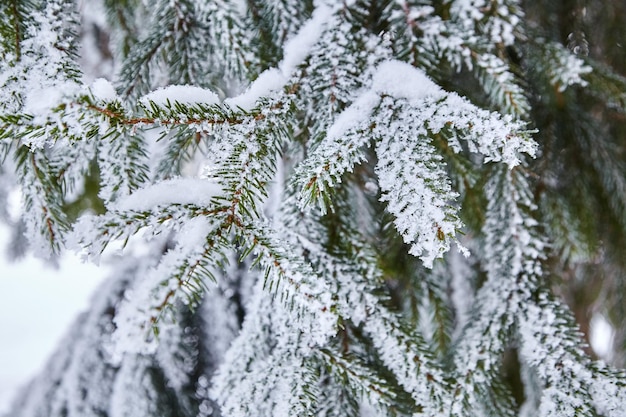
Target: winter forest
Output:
[(356, 208)]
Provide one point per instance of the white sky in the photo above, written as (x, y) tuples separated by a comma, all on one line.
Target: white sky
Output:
[(37, 305)]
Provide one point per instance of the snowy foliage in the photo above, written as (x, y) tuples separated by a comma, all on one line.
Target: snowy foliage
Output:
[(284, 181)]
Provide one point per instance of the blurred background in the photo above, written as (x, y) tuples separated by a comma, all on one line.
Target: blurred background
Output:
[(38, 303)]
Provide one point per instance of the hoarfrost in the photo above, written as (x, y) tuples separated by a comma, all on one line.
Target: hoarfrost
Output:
[(174, 191), (268, 82), (298, 47), (184, 94), (102, 89)]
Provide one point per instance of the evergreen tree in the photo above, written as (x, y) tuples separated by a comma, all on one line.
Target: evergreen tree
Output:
[(287, 179)]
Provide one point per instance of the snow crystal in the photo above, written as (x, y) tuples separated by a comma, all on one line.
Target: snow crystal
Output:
[(570, 73), (175, 191), (295, 52), (184, 94), (358, 112), (401, 80), (298, 47), (144, 300), (39, 102), (194, 233), (269, 81), (394, 78), (103, 90)]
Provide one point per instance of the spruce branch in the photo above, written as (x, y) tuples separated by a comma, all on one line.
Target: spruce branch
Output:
[(362, 381), (45, 219), (501, 85), (608, 86), (123, 165), (13, 27)]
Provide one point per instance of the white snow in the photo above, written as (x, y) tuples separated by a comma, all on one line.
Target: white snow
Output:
[(295, 52), (145, 298), (269, 81), (39, 102), (358, 112), (298, 47), (184, 94), (394, 78), (102, 89), (175, 191), (571, 70), (402, 80)]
